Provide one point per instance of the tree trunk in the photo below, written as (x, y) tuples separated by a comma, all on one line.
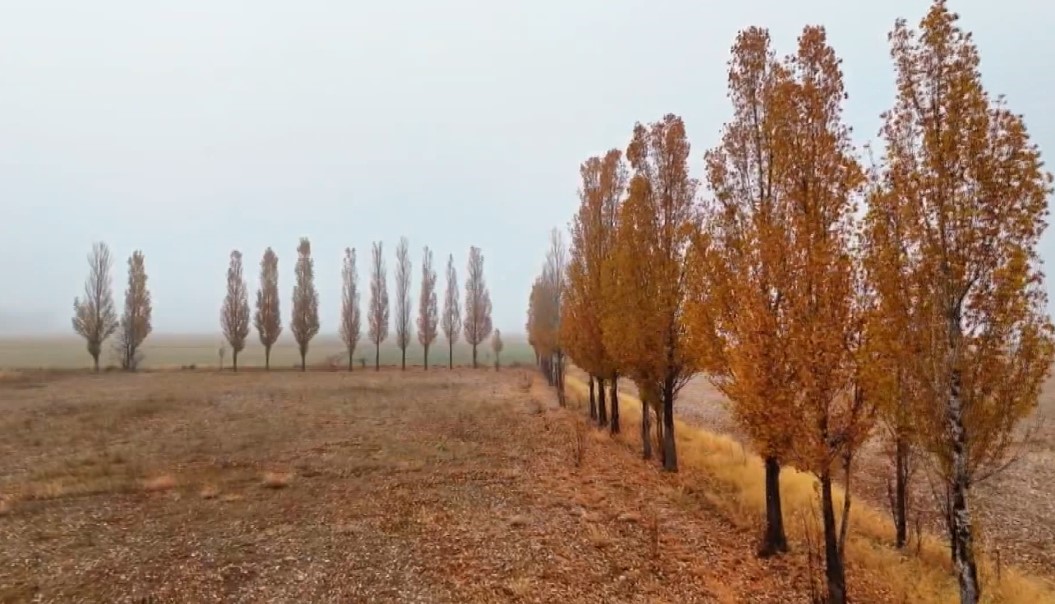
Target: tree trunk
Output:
[(351, 353), (377, 356), (426, 357), (561, 396), (267, 358), (474, 356), (646, 431), (833, 561), (602, 404), (234, 361), (303, 359), (615, 403), (593, 400), (959, 513), (403, 366), (670, 453), (95, 361), (775, 540), (901, 491), (450, 354), (658, 416)]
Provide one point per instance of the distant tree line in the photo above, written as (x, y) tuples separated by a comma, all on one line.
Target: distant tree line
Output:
[(95, 314), (920, 319)]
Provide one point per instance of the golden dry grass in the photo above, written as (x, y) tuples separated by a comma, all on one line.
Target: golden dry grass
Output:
[(163, 482), (276, 480), (924, 578)]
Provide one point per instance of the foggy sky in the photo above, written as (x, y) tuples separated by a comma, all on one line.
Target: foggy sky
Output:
[(193, 128)]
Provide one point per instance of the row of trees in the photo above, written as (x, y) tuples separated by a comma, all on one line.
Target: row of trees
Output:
[(95, 315), (921, 319), (476, 323)]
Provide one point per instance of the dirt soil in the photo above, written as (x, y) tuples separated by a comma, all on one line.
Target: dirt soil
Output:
[(464, 486)]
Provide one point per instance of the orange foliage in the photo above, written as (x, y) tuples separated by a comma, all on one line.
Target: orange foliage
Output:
[(966, 192)]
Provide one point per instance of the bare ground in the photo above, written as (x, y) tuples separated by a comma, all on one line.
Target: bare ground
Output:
[(442, 487), (1014, 510)]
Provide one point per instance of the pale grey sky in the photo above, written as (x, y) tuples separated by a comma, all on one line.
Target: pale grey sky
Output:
[(190, 128)]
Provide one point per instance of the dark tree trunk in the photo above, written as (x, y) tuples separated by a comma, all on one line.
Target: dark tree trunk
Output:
[(234, 361), (562, 397), (377, 356), (658, 417), (646, 432), (670, 453), (303, 359), (403, 365), (959, 513), (351, 353), (615, 403), (450, 354), (901, 491), (602, 404), (593, 399), (833, 560), (267, 358), (775, 540), (426, 357), (474, 356), (95, 361)]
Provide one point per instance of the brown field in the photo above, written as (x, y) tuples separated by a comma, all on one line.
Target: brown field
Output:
[(463, 486), (442, 487)]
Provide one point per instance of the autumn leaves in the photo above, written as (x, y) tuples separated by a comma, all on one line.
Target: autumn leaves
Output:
[(922, 314)]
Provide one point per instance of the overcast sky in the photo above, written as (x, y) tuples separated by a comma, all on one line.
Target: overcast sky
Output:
[(190, 128)]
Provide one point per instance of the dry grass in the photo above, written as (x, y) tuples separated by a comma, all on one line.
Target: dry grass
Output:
[(276, 480), (740, 476), (163, 482)]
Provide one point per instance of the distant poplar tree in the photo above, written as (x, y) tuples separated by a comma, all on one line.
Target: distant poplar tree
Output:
[(477, 302), (268, 319), (452, 313), (135, 322), (350, 313), (378, 331), (403, 324), (428, 313), (94, 316), (305, 322), (234, 316)]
